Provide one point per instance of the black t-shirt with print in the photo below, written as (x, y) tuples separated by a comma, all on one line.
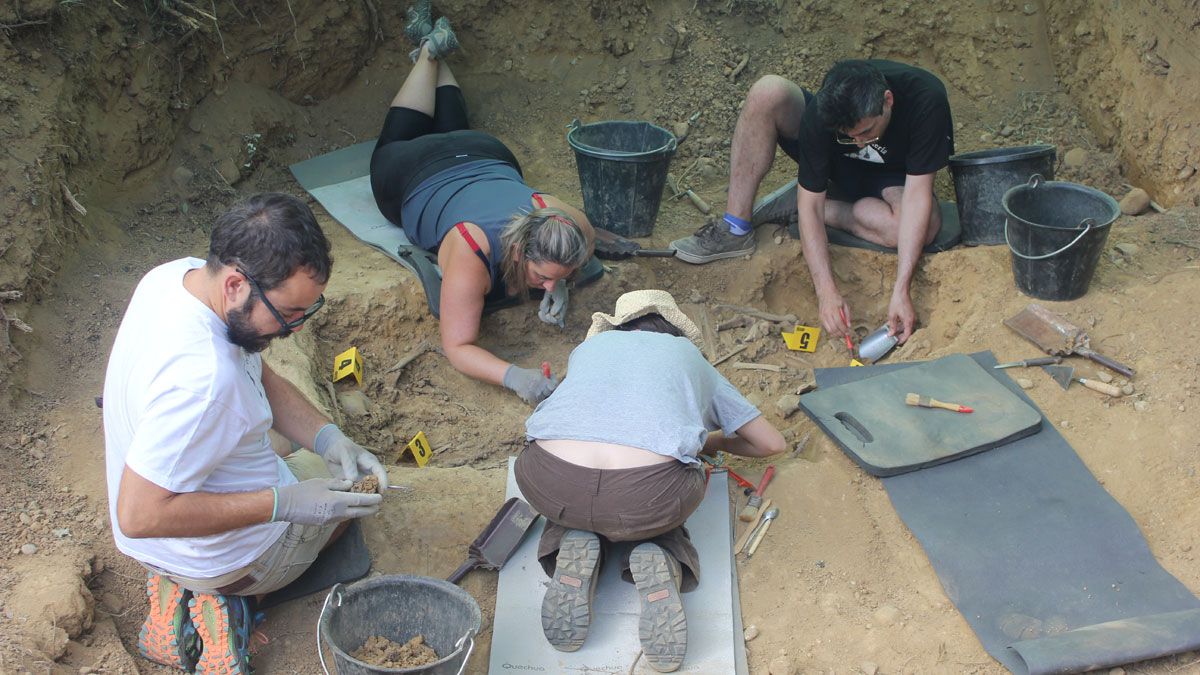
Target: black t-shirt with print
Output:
[(918, 140)]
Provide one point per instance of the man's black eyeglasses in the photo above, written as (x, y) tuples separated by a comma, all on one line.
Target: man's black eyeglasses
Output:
[(285, 326)]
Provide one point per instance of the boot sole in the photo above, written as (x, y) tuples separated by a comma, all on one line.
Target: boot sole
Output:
[(215, 624), (159, 640), (662, 626), (700, 259), (567, 605)]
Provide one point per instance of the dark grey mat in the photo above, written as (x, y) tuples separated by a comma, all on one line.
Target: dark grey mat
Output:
[(1049, 570), (345, 560), (877, 429)]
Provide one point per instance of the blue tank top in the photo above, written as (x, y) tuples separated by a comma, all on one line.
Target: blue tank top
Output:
[(487, 193)]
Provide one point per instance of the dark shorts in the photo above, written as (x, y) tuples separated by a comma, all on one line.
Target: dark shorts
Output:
[(848, 182), (414, 146), (646, 504)]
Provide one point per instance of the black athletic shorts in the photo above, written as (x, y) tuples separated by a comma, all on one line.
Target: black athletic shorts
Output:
[(850, 181), (414, 146)]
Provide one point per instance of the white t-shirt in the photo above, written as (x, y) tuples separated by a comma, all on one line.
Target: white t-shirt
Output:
[(185, 409)]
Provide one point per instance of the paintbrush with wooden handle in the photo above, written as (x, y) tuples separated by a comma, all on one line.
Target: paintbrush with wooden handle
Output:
[(927, 402)]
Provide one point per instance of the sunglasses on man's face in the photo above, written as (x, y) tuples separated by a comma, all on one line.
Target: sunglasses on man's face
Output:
[(284, 325)]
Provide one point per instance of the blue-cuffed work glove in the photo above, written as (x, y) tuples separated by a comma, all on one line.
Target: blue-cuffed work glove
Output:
[(345, 458), (530, 384), (554, 305)]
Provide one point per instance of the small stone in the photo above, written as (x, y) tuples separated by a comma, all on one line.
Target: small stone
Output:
[(886, 615), (508, 64), (25, 519), (1104, 377), (869, 667), (1075, 158), (368, 485), (354, 403), (1008, 130), (780, 665), (1136, 202), (229, 170), (61, 532), (1066, 424), (778, 239), (1025, 383), (29, 549), (1127, 389), (1117, 671), (1126, 249), (681, 130), (1185, 173), (1141, 406), (86, 670), (751, 633), (985, 137), (182, 176)]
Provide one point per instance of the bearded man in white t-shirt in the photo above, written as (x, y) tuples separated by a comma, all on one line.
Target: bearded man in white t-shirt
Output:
[(197, 494)]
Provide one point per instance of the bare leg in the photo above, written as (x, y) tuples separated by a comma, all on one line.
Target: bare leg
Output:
[(444, 76), (877, 219), (773, 108), (417, 91)]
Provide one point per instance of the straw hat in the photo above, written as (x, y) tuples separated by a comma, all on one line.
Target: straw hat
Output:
[(636, 304)]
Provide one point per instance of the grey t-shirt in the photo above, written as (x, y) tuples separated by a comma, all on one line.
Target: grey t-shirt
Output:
[(642, 389)]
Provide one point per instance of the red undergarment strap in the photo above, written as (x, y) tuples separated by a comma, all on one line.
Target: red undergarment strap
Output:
[(537, 198), (462, 229)]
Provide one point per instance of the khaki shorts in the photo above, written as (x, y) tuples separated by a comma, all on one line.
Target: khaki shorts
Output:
[(291, 554)]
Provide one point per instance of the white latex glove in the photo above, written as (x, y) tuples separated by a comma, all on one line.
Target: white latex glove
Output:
[(345, 458), (554, 305)]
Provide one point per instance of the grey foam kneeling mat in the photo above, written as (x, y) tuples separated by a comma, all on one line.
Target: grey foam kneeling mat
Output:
[(871, 422), (1048, 569)]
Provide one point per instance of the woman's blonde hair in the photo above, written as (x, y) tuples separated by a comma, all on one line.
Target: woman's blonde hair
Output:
[(542, 235)]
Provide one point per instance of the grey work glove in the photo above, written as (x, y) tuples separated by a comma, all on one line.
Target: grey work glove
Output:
[(321, 501), (530, 384), (345, 458), (554, 305)]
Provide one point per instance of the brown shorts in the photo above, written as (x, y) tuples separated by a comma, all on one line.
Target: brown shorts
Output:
[(645, 504)]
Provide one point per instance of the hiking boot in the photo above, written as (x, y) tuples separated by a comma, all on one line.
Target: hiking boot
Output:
[(778, 207), (441, 41), (662, 627), (224, 623), (567, 605), (712, 242), (420, 22), (168, 636)]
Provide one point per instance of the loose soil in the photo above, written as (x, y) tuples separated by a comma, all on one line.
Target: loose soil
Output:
[(380, 651), (125, 134)]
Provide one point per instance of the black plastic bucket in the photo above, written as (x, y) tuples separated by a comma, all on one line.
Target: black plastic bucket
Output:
[(622, 169), (1056, 233), (980, 180), (399, 607)]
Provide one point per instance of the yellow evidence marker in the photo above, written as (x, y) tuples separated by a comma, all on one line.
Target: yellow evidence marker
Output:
[(803, 339), (349, 362), (855, 362), (419, 447)]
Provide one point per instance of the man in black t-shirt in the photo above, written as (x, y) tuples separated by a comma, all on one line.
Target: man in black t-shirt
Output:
[(867, 146)]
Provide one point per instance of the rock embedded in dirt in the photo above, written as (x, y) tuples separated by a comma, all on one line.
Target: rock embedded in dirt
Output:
[(1126, 249), (368, 485), (1025, 383), (29, 549), (1136, 202), (354, 403), (869, 668), (751, 633), (1141, 406), (229, 170), (886, 615), (1127, 389), (1075, 157), (787, 404), (1104, 377), (780, 665)]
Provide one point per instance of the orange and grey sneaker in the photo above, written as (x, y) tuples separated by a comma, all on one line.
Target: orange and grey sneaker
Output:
[(168, 636), (224, 624)]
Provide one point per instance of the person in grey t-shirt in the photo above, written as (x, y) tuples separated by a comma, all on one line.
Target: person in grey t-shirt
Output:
[(612, 455)]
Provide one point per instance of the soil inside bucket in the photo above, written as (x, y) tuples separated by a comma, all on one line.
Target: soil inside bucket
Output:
[(380, 651)]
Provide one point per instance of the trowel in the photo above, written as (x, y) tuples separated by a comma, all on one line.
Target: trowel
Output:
[(499, 540), (1058, 337), (1064, 374)]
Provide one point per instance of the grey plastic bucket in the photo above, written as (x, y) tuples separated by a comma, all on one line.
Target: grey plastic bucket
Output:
[(399, 607), (980, 180), (622, 170), (1056, 232)]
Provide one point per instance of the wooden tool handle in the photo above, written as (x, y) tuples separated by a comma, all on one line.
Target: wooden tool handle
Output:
[(1102, 387), (699, 203), (742, 540), (927, 402), (762, 532), (762, 484)]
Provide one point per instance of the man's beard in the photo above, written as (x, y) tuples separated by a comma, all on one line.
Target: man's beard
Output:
[(239, 331)]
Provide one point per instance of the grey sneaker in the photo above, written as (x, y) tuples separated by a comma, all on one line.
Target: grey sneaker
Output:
[(567, 605), (662, 627), (712, 242), (777, 207), (420, 22)]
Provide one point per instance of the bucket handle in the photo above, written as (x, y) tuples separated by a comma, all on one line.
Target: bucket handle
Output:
[(1035, 180), (671, 146), (468, 636), (1087, 224), (337, 589)]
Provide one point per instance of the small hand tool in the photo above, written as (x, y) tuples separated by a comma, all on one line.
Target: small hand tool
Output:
[(1028, 363), (1064, 374), (742, 482), (762, 531), (926, 402), (755, 500), (751, 527), (1057, 336)]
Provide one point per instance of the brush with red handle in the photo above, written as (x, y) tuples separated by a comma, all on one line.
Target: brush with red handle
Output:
[(927, 402)]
